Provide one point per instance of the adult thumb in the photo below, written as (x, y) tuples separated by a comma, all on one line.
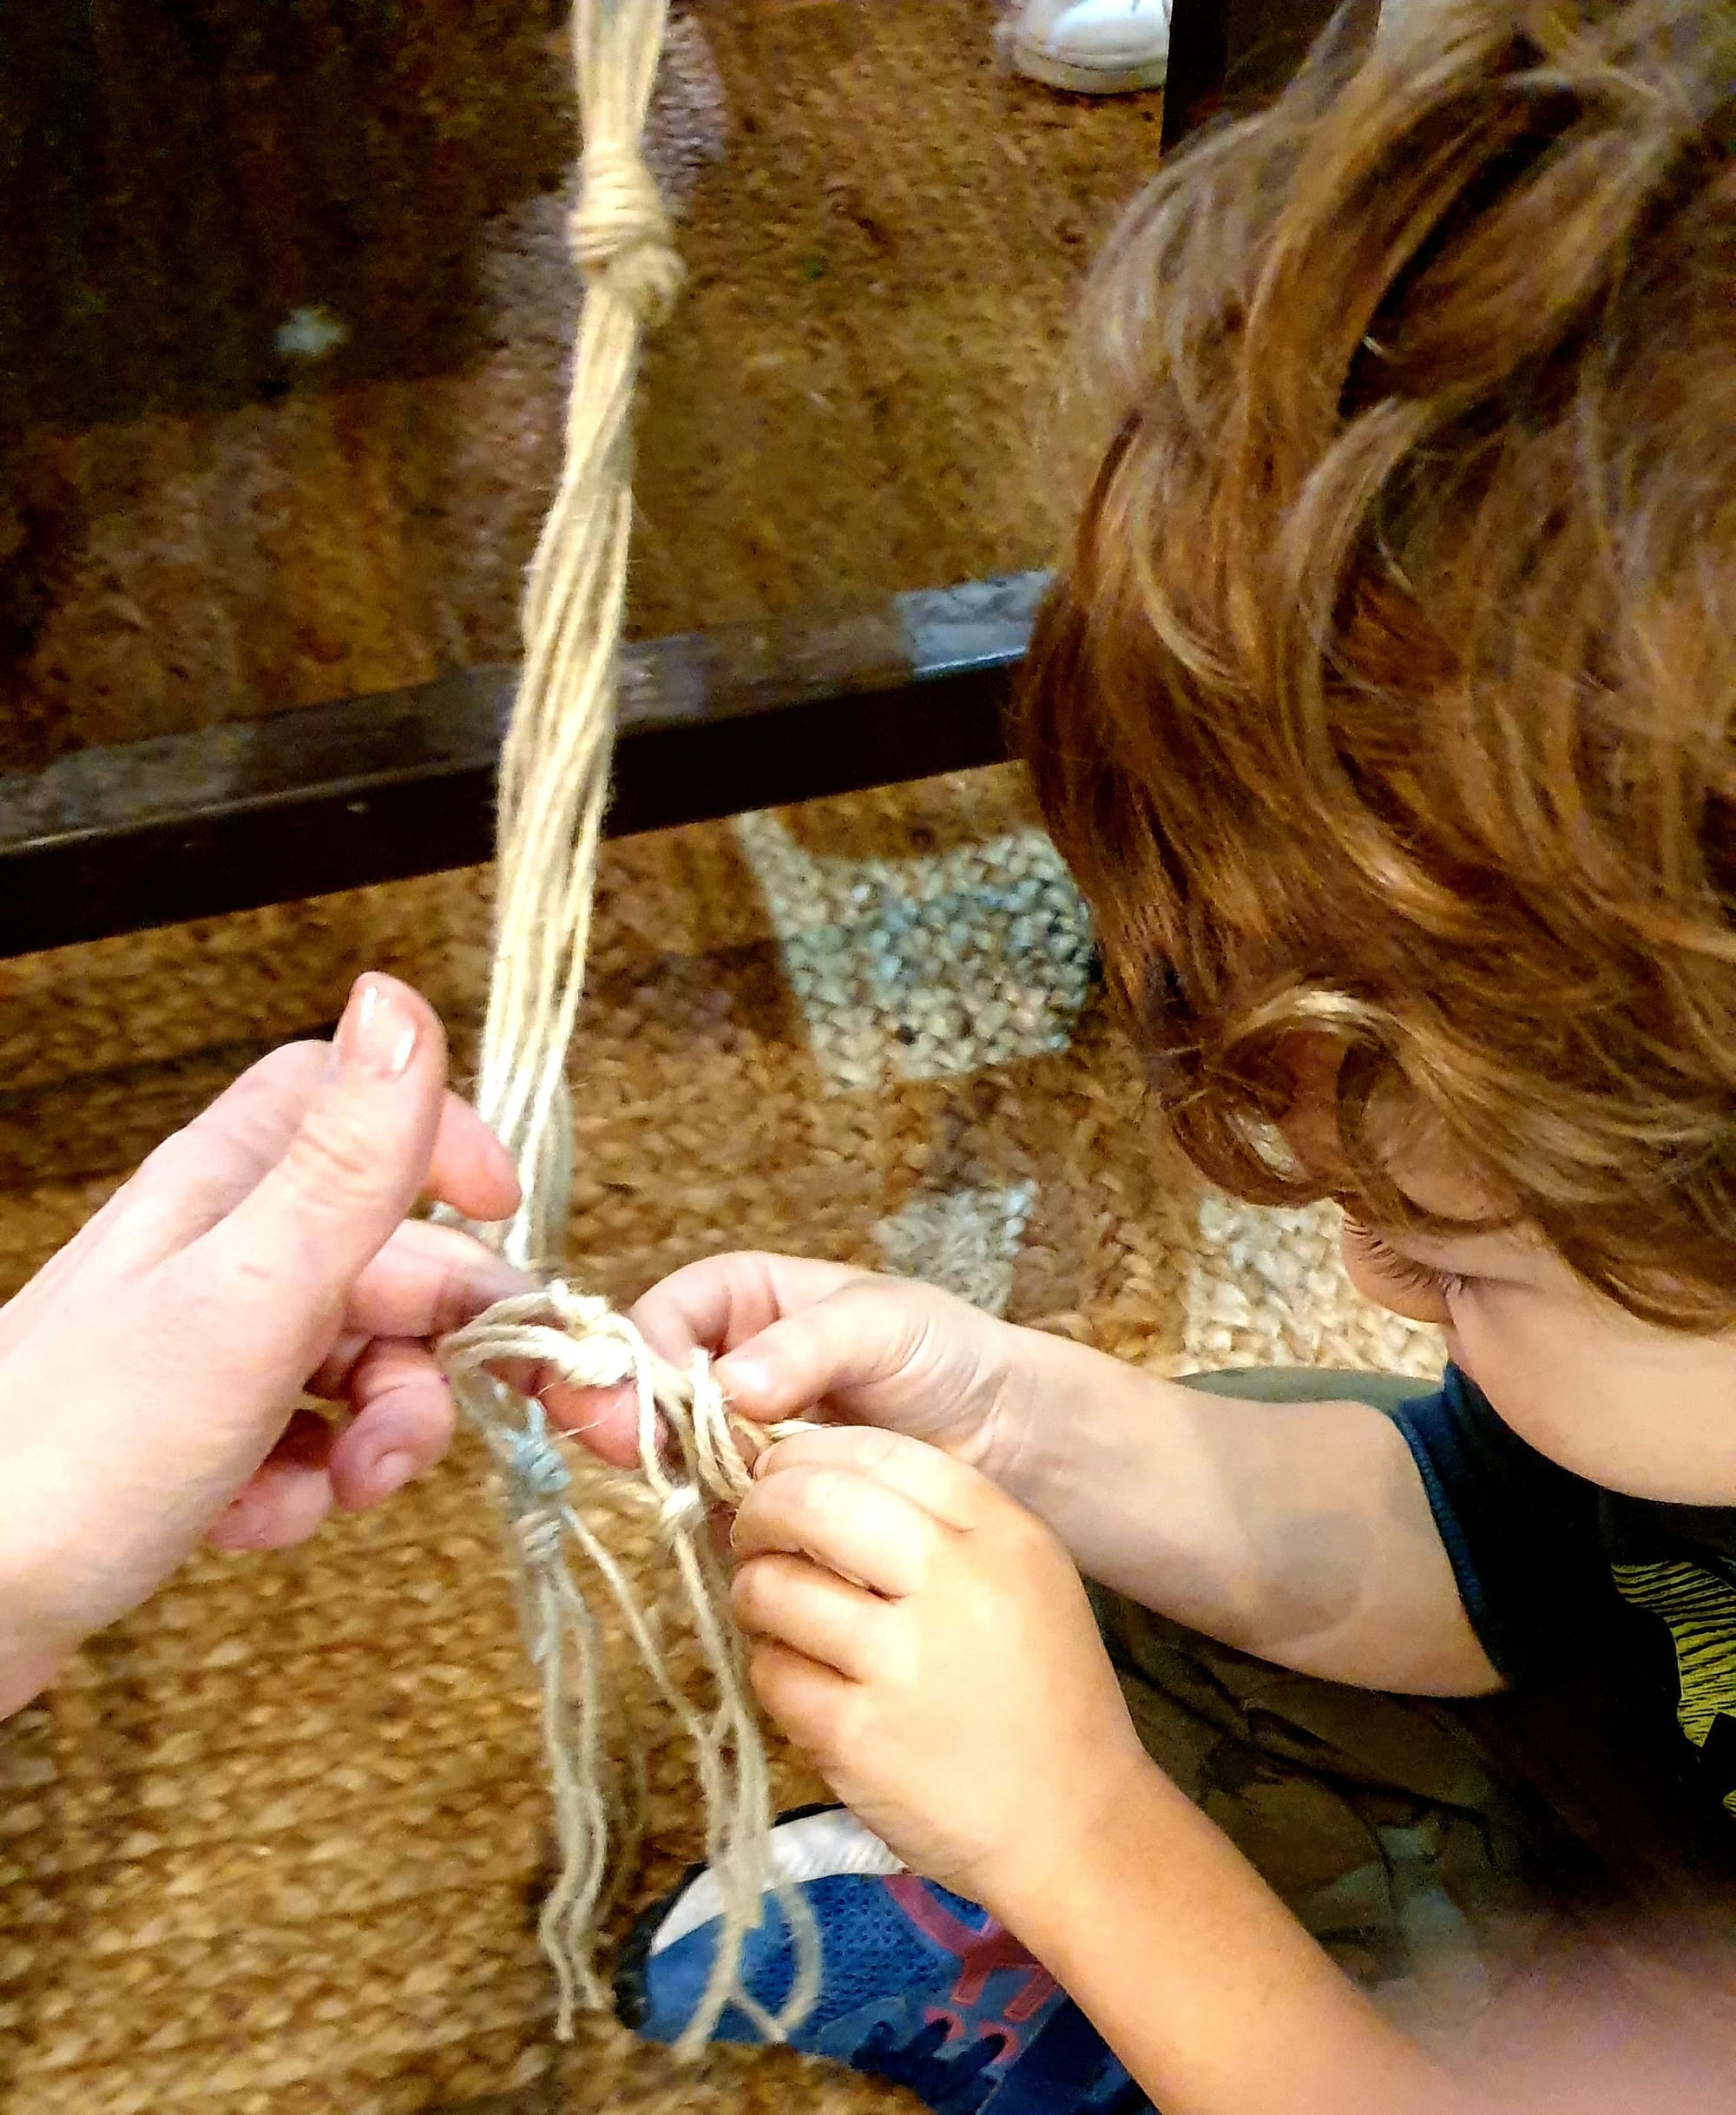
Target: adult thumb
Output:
[(271, 1279)]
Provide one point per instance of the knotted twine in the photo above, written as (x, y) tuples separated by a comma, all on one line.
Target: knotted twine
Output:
[(554, 785)]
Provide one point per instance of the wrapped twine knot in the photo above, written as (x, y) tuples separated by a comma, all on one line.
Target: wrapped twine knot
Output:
[(619, 235)]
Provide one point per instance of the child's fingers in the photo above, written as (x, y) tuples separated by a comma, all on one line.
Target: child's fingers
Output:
[(955, 1494), (861, 1333), (850, 1523), (719, 1303), (722, 1301), (791, 1602), (802, 1696)]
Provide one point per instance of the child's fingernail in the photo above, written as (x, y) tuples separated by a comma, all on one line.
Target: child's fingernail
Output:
[(391, 1472), (377, 1032)]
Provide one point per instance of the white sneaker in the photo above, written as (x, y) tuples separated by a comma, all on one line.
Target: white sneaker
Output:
[(1093, 47)]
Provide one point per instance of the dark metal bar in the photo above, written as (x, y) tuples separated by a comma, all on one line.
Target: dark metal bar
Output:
[(373, 789), (1198, 61), (1237, 52)]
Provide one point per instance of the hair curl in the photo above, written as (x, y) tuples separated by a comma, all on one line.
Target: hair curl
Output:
[(1386, 694)]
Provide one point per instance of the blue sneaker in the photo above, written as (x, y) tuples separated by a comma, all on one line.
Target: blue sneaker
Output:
[(919, 1987)]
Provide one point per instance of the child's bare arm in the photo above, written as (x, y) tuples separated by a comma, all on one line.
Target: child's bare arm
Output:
[(1299, 1531), (1212, 1996)]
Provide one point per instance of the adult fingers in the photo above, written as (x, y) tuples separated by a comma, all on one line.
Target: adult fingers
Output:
[(954, 1495), (791, 1602), (604, 1419), (426, 1281), (195, 1178), (403, 1423), (187, 1184), (264, 1290), (205, 1170), (286, 1496), (848, 1522), (470, 1169)]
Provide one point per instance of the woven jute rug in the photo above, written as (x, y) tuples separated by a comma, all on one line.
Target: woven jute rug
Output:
[(275, 1843)]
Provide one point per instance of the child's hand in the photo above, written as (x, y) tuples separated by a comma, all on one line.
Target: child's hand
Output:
[(928, 1643), (796, 1338)]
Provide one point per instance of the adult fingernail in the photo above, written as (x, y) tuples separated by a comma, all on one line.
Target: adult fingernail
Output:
[(240, 1523), (740, 1377), (379, 1030), (391, 1473)]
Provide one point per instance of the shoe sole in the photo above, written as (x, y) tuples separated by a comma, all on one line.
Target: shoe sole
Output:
[(1129, 80)]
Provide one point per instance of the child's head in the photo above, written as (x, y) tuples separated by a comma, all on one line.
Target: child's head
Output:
[(1386, 708)]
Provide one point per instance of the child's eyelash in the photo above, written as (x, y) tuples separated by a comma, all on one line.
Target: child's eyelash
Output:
[(1405, 1269)]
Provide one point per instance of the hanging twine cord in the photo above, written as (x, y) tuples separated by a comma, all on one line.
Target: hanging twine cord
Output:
[(692, 1454)]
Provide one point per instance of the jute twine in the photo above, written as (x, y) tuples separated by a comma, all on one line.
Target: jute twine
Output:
[(554, 784)]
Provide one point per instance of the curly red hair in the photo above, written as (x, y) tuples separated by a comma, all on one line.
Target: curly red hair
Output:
[(1386, 693)]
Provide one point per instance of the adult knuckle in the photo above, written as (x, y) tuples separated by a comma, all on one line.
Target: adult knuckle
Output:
[(334, 1158)]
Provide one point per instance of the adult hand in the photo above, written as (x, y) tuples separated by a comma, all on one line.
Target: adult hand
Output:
[(150, 1374), (928, 1643)]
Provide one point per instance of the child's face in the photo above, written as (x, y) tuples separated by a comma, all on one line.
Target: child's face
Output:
[(1632, 1406)]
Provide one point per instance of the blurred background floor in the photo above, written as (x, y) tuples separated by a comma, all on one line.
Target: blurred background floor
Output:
[(280, 373)]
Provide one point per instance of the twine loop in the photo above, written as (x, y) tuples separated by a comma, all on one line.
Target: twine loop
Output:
[(696, 1452), (619, 231), (540, 1536)]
